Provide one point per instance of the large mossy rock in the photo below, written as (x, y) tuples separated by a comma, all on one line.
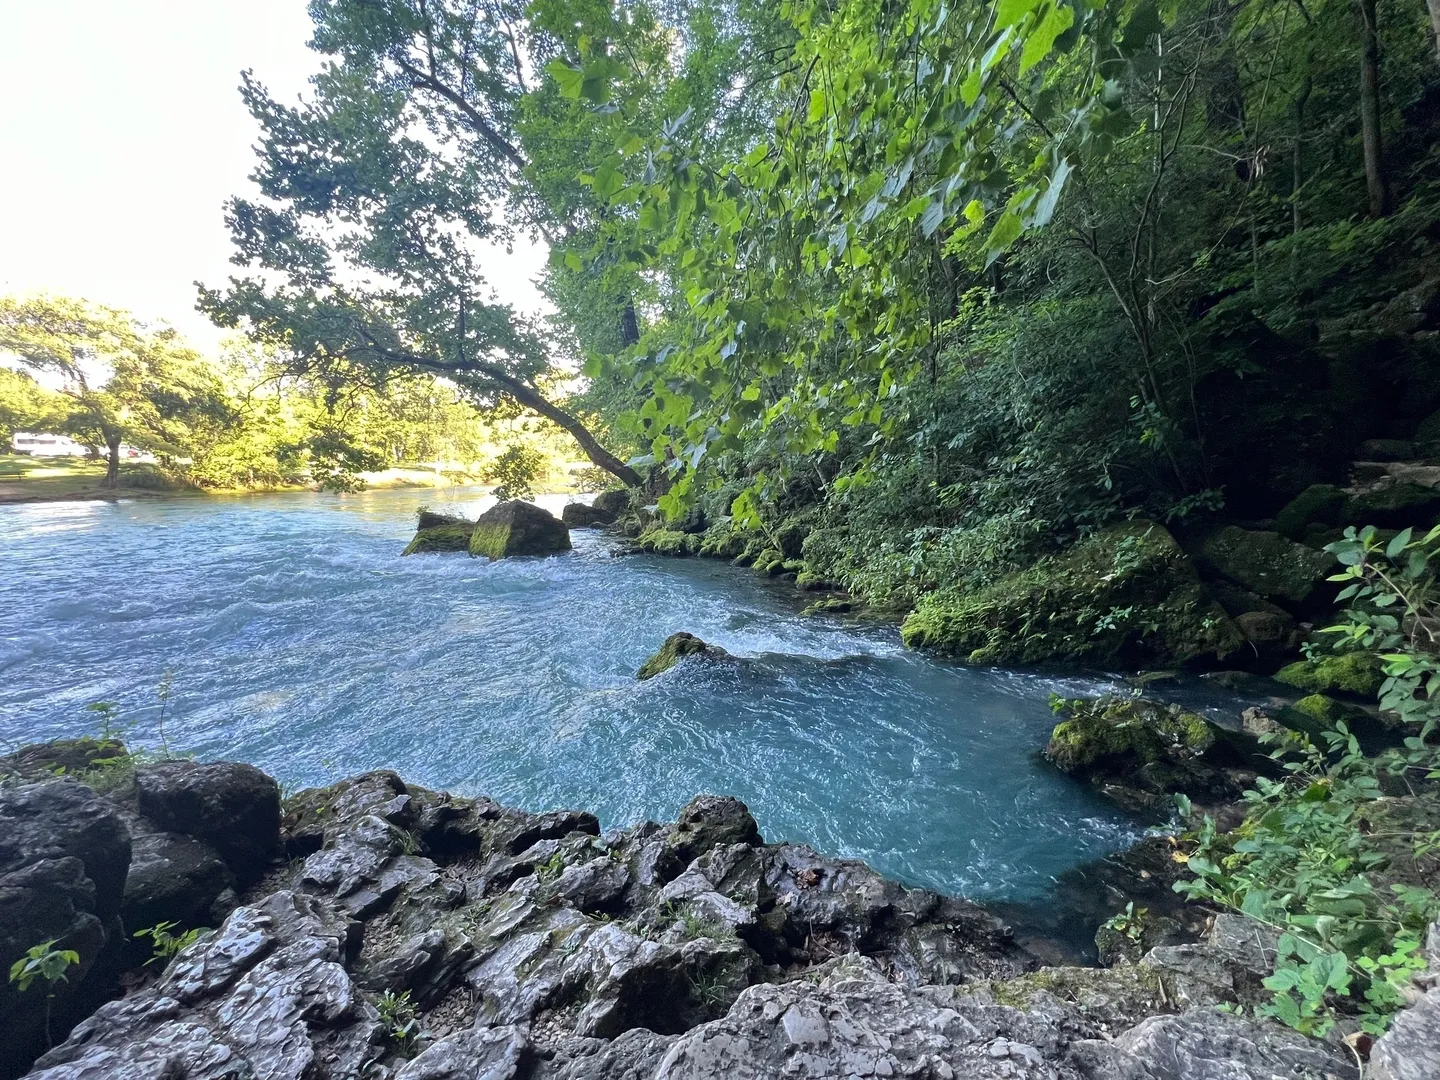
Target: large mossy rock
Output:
[(440, 532), (1319, 504), (676, 648), (518, 528), (1127, 594), (1266, 563), (613, 502), (1358, 673), (1140, 752)]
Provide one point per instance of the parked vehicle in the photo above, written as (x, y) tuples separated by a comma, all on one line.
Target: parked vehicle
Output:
[(39, 445)]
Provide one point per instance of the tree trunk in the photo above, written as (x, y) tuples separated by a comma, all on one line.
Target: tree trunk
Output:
[(531, 398), (112, 463), (1375, 180), (525, 394), (1434, 6)]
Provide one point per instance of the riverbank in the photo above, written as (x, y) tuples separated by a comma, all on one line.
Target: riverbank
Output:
[(29, 480), (376, 929)]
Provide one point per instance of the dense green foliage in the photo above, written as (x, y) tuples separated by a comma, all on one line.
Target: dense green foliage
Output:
[(970, 281), (1324, 857), (97, 374)]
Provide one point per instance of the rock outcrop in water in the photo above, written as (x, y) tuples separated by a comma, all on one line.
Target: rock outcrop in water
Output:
[(416, 936), (440, 532), (677, 647), (518, 528)]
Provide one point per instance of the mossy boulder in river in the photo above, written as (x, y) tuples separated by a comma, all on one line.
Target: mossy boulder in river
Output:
[(1140, 752), (1359, 673), (1127, 594), (440, 532), (1266, 563), (577, 515), (518, 528), (676, 648)]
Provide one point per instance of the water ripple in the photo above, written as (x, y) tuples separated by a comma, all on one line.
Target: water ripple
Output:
[(298, 640)]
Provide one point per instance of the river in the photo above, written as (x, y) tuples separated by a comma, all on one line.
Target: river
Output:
[(294, 637)]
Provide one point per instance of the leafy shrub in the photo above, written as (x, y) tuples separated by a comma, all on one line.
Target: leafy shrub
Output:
[(515, 472), (1321, 856)]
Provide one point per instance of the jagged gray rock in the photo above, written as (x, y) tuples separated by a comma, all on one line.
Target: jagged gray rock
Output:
[(533, 947), (267, 997), (64, 855), (1410, 1050), (231, 806)]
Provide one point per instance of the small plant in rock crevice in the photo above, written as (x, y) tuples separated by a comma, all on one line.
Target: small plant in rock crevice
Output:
[(166, 944), (1129, 924), (44, 961), (399, 1019)]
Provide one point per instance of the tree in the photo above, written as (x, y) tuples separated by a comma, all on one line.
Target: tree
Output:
[(122, 383), (374, 196), (25, 405)]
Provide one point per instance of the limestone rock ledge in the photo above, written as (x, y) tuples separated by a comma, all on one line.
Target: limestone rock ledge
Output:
[(532, 947)]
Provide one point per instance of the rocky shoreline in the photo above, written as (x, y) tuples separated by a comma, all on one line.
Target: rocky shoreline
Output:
[(373, 929)]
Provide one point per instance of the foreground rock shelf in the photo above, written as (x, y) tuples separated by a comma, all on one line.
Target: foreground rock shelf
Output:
[(387, 932)]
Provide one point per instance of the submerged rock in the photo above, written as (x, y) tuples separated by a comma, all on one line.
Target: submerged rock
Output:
[(518, 528), (676, 648), (1127, 594)]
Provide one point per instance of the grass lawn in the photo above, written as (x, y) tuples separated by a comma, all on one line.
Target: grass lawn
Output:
[(30, 479)]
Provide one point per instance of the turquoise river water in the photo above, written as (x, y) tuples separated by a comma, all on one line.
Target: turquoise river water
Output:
[(295, 638)]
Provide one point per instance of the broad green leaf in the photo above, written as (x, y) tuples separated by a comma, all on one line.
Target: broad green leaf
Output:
[(1041, 40)]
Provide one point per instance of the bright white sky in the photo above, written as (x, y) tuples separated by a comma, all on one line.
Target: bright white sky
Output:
[(121, 135)]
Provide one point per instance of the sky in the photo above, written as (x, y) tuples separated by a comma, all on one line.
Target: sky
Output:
[(122, 134)]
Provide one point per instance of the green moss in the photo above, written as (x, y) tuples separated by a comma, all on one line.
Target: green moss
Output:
[(675, 648), (1319, 504), (831, 605), (770, 561), (1317, 712), (724, 540), (813, 582), (1112, 727), (1126, 593), (489, 540), (668, 542), (1265, 562), (441, 538), (1359, 673), (518, 528)]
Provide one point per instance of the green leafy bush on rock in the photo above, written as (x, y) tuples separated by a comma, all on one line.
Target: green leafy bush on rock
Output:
[(1127, 593)]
